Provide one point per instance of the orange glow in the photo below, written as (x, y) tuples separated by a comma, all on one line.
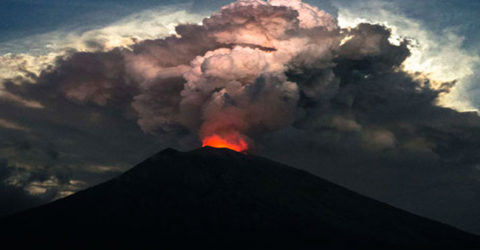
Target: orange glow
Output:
[(234, 142)]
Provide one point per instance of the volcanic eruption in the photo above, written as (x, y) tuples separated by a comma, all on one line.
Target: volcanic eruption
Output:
[(281, 76), (250, 69), (231, 141)]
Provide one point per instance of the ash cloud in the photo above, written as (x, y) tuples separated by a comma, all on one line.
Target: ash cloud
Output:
[(251, 68), (287, 79)]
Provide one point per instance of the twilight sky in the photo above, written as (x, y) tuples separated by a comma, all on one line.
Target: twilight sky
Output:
[(378, 96)]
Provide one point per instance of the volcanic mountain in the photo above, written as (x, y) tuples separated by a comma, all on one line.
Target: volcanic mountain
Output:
[(220, 199)]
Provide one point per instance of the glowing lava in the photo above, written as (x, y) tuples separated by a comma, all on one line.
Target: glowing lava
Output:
[(234, 142)]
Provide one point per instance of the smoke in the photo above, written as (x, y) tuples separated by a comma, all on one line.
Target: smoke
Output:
[(238, 85), (265, 62), (251, 68), (25, 58)]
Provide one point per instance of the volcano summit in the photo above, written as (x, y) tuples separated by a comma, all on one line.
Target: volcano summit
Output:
[(219, 198)]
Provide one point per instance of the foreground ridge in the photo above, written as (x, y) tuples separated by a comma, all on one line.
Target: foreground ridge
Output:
[(223, 199)]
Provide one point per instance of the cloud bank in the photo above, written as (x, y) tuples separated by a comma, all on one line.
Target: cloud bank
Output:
[(431, 50)]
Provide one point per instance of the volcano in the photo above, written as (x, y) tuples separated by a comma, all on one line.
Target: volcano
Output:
[(219, 199)]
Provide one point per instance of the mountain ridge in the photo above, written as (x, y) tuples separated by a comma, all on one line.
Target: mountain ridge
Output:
[(226, 199)]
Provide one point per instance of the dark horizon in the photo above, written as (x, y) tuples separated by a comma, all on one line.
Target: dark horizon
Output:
[(220, 198)]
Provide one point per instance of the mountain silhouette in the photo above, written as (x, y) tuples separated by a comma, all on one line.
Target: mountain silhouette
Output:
[(219, 199)]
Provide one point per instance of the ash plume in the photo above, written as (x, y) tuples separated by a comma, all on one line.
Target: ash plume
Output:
[(251, 68)]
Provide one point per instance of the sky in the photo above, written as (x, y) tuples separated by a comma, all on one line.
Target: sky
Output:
[(377, 96)]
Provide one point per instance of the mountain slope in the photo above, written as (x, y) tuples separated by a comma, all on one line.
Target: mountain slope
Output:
[(223, 199)]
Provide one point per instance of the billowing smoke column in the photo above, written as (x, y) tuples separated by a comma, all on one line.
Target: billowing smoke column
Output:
[(239, 85), (242, 86), (251, 68)]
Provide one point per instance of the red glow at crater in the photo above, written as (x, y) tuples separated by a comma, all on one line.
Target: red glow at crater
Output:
[(231, 141)]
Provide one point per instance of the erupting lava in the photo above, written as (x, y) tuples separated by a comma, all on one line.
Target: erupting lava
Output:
[(234, 142)]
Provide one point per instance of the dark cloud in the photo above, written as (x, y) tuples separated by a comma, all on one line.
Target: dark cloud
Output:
[(15, 198), (296, 87)]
